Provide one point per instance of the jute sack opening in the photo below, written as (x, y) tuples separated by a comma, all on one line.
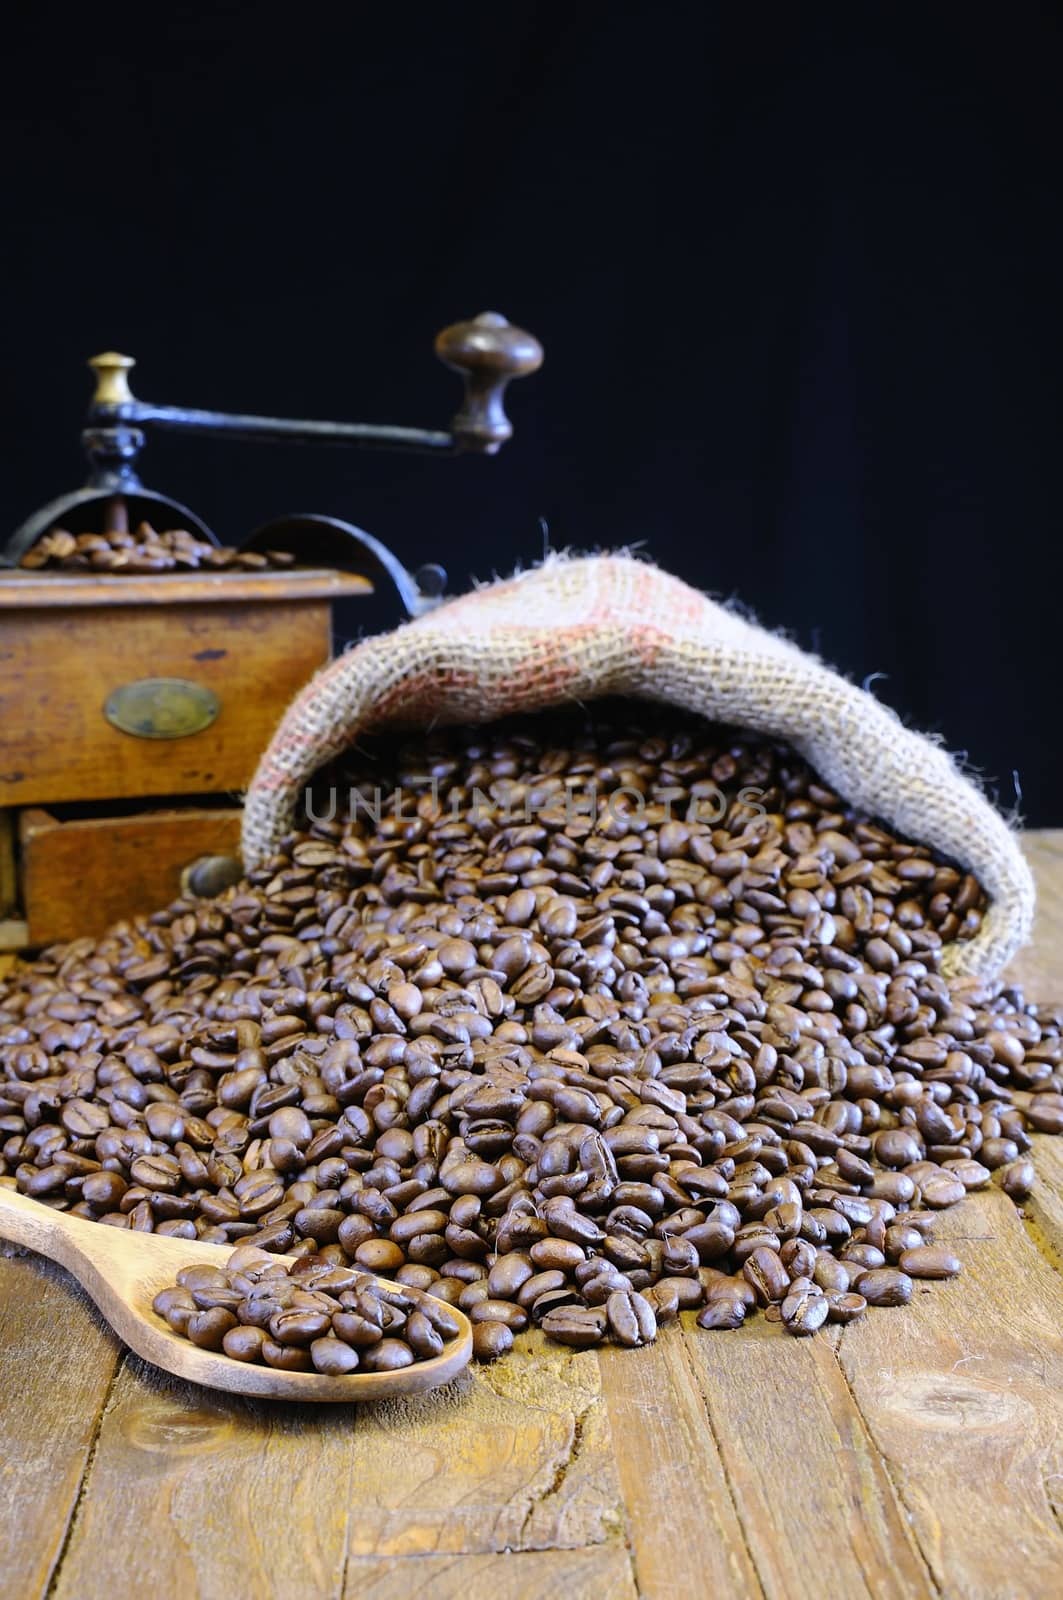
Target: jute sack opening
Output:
[(574, 630)]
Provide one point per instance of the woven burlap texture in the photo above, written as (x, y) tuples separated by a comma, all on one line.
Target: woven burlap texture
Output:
[(578, 629)]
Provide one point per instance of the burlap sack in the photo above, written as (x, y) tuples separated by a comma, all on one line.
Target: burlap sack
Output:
[(612, 625)]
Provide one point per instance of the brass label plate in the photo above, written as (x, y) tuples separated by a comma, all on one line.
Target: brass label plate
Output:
[(161, 708)]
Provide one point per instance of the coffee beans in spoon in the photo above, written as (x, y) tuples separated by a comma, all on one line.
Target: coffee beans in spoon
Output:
[(578, 1022), (308, 1316)]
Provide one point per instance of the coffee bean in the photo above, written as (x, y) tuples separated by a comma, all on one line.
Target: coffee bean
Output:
[(722, 1314), (940, 1190), (488, 1310), (388, 1356), (844, 1308), (576, 1326), (207, 1329), (244, 1343), (1016, 1179), (766, 1274), (929, 1261), (804, 1309), (884, 1286), (297, 1325), (491, 1340), (286, 1357), (177, 1306), (333, 1357)]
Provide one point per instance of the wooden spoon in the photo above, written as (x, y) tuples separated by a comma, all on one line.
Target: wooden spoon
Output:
[(123, 1271)]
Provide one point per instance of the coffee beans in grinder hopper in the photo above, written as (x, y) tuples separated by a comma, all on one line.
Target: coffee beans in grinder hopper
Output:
[(577, 1022), (142, 551)]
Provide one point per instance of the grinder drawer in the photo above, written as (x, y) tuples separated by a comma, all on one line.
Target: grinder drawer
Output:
[(78, 877)]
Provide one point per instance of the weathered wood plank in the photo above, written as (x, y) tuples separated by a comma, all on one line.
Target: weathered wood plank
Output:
[(1044, 1209), (249, 1498), (819, 1513), (196, 1493), (514, 1456), (602, 1572), (684, 1527), (963, 1393), (19, 590), (1039, 968), (57, 1363)]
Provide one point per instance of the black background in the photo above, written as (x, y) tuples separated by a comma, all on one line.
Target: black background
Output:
[(797, 271)]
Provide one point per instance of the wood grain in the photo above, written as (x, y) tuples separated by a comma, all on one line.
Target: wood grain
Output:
[(685, 1527), (19, 590), (514, 1456), (121, 865), (963, 1395), (203, 1494), (50, 1413), (1044, 1209), (798, 1459), (57, 669), (602, 1572), (246, 1498)]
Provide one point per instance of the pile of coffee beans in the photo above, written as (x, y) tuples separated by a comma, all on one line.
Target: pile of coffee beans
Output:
[(143, 551), (582, 1021), (305, 1316)]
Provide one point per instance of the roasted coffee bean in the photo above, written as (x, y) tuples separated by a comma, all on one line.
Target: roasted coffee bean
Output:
[(244, 1343), (207, 1329), (1016, 1179), (844, 1308), (421, 1337), (177, 1306), (623, 1319), (723, 1314), (491, 1340), (663, 1301), (539, 1062), (804, 1309), (299, 1325), (764, 1271), (488, 1310), (929, 1261), (388, 1356), (333, 1357), (286, 1357), (356, 1329), (940, 1189), (884, 1286), (580, 1327)]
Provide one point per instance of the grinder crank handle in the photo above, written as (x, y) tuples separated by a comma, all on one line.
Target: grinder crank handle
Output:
[(488, 351)]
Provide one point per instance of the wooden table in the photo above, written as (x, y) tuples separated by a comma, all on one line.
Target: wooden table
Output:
[(918, 1453)]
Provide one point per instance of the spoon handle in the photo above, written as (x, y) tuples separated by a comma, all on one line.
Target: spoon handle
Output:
[(37, 1227)]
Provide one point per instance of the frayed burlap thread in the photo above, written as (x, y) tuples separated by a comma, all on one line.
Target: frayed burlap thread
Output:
[(579, 629)]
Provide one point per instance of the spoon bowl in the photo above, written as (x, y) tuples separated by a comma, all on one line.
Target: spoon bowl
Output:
[(123, 1271)]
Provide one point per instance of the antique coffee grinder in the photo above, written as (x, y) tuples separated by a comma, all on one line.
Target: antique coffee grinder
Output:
[(134, 704)]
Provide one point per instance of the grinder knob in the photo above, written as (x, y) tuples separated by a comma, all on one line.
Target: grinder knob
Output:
[(112, 379), (488, 351)]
